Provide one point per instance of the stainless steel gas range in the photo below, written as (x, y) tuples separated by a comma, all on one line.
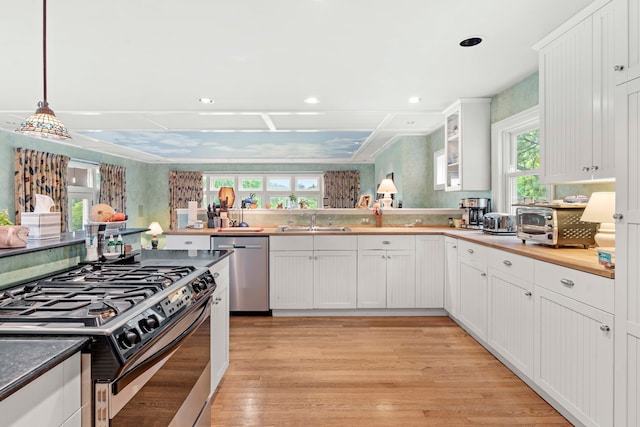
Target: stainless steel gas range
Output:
[(149, 329)]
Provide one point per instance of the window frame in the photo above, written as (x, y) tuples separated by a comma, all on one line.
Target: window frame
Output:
[(503, 136), (90, 192)]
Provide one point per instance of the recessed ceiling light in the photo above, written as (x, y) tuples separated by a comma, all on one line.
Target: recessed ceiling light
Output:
[(312, 100), (471, 41), (206, 100), (414, 100)]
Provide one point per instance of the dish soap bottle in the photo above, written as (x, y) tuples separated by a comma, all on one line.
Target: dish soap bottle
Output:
[(119, 245), (111, 245)]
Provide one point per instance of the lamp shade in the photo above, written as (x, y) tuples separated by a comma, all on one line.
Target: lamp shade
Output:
[(154, 228), (43, 123), (600, 208), (226, 194), (387, 186)]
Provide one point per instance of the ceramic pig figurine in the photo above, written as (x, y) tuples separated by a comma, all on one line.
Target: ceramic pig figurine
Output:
[(13, 236)]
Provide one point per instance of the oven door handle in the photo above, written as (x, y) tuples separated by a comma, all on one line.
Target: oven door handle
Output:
[(139, 369)]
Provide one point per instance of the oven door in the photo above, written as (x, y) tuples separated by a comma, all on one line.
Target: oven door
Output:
[(171, 388)]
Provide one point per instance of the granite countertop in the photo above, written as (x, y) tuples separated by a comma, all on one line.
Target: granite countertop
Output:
[(65, 239), (571, 256), (25, 358)]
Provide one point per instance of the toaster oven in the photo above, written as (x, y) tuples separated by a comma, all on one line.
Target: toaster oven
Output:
[(554, 226)]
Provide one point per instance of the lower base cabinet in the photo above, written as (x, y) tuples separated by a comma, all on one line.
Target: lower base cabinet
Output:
[(473, 297), (220, 324)]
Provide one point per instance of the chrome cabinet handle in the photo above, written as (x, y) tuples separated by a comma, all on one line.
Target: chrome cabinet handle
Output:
[(605, 328), (388, 256), (384, 257), (454, 247), (470, 251), (483, 274), (618, 216), (386, 242), (567, 282), (594, 168), (586, 168), (507, 263), (618, 67), (188, 242), (528, 294)]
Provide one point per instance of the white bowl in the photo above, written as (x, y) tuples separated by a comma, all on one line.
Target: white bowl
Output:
[(111, 256)]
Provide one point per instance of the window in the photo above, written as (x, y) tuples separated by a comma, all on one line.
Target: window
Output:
[(516, 147), (83, 185), (268, 190), (439, 170)]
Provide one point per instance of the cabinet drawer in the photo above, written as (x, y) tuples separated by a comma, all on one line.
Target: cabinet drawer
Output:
[(390, 242), (291, 243), (587, 288), (335, 243), (186, 241), (517, 265), (472, 251)]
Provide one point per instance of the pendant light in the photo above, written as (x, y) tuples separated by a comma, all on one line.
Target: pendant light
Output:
[(44, 122)]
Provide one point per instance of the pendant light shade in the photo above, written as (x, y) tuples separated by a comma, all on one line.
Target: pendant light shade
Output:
[(44, 122)]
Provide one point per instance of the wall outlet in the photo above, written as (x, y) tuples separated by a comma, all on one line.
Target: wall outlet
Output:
[(364, 221)]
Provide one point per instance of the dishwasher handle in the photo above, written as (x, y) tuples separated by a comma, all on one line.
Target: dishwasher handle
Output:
[(238, 246)]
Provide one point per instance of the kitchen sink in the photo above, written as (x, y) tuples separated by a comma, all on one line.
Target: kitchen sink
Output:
[(286, 228)]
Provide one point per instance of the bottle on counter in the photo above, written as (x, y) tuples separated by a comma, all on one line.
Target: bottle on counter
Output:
[(111, 245), (450, 222), (119, 245)]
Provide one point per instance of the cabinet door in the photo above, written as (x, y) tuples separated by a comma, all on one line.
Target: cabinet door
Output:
[(372, 279), (401, 279), (291, 279), (627, 40), (473, 297), (334, 279), (566, 105), (511, 319), (627, 296), (219, 335), (451, 291), (574, 356), (429, 272)]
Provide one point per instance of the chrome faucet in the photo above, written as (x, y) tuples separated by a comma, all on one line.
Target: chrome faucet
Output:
[(313, 221)]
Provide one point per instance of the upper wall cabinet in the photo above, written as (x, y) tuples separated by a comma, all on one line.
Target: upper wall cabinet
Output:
[(577, 82), (467, 145), (627, 53)]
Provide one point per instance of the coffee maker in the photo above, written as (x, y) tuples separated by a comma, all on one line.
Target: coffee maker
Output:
[(474, 211)]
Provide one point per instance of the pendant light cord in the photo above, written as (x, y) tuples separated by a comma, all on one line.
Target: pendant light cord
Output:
[(44, 47)]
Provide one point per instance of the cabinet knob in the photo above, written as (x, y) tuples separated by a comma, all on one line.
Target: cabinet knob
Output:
[(310, 258), (594, 168), (528, 294), (618, 216), (605, 328), (507, 263), (386, 242), (470, 251), (618, 67), (483, 274), (388, 256), (454, 247), (384, 257), (216, 275), (567, 282), (586, 168)]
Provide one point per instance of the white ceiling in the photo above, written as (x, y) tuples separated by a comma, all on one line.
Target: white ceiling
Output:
[(125, 76)]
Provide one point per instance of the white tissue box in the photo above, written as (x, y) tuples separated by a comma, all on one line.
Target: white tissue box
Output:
[(42, 225)]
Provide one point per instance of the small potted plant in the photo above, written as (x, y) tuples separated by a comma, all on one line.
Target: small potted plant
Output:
[(251, 201), (292, 201)]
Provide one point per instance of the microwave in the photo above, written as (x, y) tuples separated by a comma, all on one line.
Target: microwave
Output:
[(553, 226)]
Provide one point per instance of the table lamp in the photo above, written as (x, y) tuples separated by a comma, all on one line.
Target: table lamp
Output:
[(387, 188), (154, 230), (600, 209)]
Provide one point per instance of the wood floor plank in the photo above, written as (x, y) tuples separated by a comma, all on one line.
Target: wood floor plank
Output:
[(368, 371)]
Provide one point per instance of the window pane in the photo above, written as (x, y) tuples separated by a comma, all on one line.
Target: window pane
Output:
[(223, 182), (528, 151), (79, 214), (312, 202), (306, 184), (529, 186), (279, 184), (251, 184), (278, 202)]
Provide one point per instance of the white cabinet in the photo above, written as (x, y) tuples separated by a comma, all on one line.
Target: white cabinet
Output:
[(627, 55), (510, 280), (220, 323), (577, 111), (472, 278), (312, 272), (291, 272), (451, 285), (187, 241), (467, 145), (627, 296), (573, 361), (386, 271), (51, 400), (430, 262)]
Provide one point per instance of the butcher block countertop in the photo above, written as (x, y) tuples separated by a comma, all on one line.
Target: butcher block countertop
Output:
[(572, 257)]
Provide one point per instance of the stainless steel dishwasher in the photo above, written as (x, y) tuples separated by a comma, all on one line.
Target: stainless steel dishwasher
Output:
[(249, 271)]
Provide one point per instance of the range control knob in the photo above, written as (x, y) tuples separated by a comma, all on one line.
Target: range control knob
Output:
[(148, 323), (127, 339), (197, 286)]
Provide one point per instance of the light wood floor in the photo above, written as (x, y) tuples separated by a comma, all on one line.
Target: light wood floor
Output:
[(368, 371)]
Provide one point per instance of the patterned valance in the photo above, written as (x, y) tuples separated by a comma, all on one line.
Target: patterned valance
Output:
[(113, 186), (183, 187)]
